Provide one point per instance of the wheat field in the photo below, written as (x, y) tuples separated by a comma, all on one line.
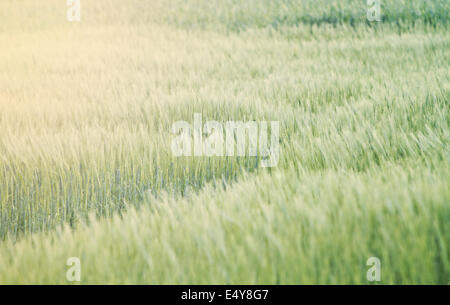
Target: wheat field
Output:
[(87, 171)]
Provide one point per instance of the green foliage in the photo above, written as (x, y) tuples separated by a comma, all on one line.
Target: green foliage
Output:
[(238, 15), (86, 168)]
